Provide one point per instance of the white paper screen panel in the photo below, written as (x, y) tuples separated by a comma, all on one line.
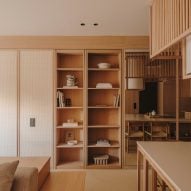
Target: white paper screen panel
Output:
[(188, 57), (36, 101), (8, 103)]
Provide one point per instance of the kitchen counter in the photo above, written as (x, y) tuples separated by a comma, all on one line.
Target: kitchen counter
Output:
[(170, 160), (145, 118)]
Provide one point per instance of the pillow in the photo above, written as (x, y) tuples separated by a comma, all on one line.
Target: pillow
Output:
[(7, 171)]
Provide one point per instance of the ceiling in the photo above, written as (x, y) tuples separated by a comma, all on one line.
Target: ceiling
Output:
[(63, 17)]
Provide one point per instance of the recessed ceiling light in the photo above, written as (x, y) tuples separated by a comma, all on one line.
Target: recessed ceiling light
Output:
[(82, 24), (95, 24)]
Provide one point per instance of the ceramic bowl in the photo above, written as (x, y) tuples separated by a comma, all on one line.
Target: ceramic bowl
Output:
[(104, 65)]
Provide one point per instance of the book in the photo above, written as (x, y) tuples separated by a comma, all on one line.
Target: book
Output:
[(60, 99), (116, 100)]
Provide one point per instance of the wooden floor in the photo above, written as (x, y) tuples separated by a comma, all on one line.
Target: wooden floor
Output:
[(92, 180), (65, 181)]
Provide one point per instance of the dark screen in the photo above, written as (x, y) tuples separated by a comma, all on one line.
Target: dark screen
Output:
[(148, 98)]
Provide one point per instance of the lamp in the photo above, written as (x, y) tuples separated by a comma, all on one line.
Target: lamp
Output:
[(135, 83)]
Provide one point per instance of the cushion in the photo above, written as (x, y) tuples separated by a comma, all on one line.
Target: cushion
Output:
[(25, 179), (7, 171)]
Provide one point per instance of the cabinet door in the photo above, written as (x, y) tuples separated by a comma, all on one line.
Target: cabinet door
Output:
[(36, 102), (8, 103)]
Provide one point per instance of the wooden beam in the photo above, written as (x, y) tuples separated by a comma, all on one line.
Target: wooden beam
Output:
[(75, 42), (177, 99)]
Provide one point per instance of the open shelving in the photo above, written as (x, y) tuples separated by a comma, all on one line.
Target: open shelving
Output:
[(69, 62), (96, 109), (104, 108)]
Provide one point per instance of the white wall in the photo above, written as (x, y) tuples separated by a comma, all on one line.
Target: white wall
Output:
[(36, 101), (8, 103)]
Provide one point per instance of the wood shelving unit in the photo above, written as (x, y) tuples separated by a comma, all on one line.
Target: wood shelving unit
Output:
[(103, 115), (97, 110), (70, 156)]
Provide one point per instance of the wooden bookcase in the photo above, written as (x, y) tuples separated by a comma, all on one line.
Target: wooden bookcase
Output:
[(103, 115), (70, 63), (97, 110)]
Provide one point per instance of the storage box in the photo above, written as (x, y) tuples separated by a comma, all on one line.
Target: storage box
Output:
[(101, 160)]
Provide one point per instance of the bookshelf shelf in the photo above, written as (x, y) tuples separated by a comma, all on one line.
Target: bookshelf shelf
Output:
[(115, 126), (70, 107), (109, 69), (104, 108), (70, 88), (104, 88), (69, 69), (65, 145), (113, 144), (61, 127)]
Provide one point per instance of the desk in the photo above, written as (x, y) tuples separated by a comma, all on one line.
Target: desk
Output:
[(144, 118), (171, 161)]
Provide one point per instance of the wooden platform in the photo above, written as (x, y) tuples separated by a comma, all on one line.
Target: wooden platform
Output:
[(42, 163), (65, 180)]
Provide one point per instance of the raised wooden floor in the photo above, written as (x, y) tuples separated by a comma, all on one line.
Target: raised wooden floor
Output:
[(92, 180), (65, 181), (41, 163)]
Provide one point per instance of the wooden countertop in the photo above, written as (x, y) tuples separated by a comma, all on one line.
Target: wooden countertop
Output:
[(171, 159), (144, 118)]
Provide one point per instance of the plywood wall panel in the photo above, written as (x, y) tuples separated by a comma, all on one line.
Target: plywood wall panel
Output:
[(8, 103), (36, 101)]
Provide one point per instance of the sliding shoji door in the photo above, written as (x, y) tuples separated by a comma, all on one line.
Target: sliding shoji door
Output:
[(8, 103), (36, 102)]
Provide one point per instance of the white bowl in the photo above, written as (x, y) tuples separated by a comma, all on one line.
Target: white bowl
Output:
[(72, 142), (104, 65)]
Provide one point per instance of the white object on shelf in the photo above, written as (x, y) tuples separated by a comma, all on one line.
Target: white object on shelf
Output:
[(103, 142), (101, 160), (73, 124), (104, 65), (72, 142), (104, 85)]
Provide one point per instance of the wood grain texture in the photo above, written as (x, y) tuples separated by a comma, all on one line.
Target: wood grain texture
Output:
[(36, 101), (66, 180), (74, 42), (8, 102), (164, 157), (173, 17)]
